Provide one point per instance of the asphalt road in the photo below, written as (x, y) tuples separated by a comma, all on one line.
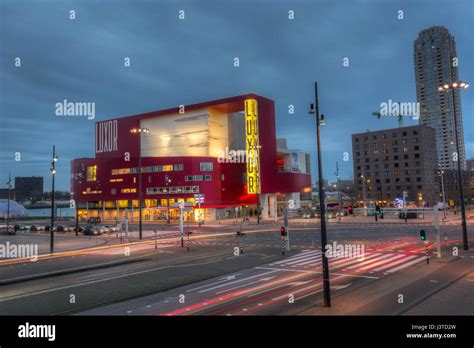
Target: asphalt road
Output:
[(136, 278)]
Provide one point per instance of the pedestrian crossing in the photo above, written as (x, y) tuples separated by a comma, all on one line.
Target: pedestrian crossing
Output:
[(371, 261)]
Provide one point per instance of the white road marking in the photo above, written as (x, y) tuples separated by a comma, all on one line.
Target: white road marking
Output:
[(367, 262), (406, 265), (237, 281), (380, 262)]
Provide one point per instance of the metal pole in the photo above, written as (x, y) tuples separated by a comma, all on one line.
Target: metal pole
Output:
[(326, 287), (181, 226), (444, 199), (199, 207), (461, 192), (436, 223), (140, 188), (77, 218), (381, 201), (51, 230), (285, 223), (258, 208), (8, 201)]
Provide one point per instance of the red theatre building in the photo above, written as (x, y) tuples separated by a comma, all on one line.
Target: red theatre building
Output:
[(224, 151)]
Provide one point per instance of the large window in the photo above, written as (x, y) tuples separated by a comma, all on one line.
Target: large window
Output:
[(92, 173), (205, 166)]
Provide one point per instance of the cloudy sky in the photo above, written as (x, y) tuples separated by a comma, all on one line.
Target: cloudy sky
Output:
[(187, 61)]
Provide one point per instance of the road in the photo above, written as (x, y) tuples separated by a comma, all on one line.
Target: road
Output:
[(148, 277)]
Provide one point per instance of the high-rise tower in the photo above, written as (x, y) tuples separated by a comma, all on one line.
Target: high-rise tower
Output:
[(436, 63)]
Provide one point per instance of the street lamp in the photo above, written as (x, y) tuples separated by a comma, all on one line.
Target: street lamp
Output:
[(53, 174), (453, 86), (441, 175), (319, 123), (139, 131), (9, 183), (168, 182)]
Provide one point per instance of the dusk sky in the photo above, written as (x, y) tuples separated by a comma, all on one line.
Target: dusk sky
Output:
[(188, 61)]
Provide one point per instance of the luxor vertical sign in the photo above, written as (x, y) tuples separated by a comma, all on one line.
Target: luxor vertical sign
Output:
[(252, 146)]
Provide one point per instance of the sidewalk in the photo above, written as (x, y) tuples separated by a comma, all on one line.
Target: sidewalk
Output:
[(443, 287)]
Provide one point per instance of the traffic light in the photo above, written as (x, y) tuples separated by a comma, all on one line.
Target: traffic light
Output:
[(422, 235), (283, 231), (378, 210), (350, 209)]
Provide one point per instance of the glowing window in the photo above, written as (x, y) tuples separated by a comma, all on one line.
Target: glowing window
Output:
[(92, 173)]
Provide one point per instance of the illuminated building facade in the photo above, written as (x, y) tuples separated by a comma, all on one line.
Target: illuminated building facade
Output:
[(209, 148)]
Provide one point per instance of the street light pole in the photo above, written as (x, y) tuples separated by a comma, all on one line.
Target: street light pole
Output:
[(167, 181), (140, 236), (441, 174), (53, 173), (326, 287), (453, 87), (140, 131), (8, 201)]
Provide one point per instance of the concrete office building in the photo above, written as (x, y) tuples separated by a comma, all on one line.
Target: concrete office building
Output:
[(391, 161)]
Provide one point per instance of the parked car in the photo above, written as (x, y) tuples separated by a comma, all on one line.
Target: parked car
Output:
[(63, 228), (36, 228), (91, 231), (47, 228), (17, 228), (309, 214)]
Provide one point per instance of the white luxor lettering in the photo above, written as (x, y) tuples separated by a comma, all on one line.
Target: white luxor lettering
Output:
[(106, 136)]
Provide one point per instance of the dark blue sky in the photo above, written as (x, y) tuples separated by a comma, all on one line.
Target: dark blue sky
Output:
[(182, 62)]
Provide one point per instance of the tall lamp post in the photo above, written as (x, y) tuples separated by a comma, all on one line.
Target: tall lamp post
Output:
[(319, 122), (53, 174), (453, 86), (441, 175), (140, 131), (9, 183), (168, 182)]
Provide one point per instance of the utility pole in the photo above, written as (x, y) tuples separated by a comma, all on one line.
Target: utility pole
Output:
[(319, 120)]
